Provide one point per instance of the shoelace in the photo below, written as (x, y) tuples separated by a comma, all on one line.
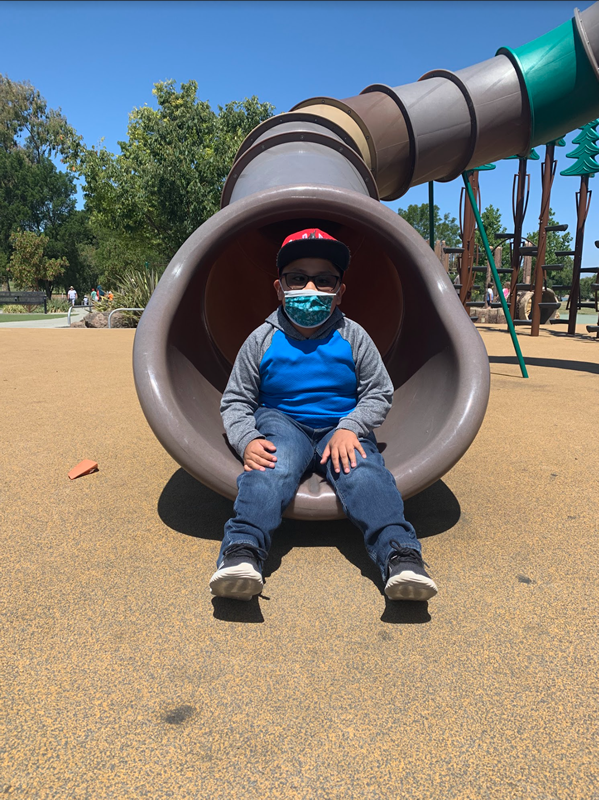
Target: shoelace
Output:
[(406, 554), (237, 550)]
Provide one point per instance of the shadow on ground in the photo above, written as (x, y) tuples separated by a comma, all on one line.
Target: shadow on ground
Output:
[(552, 331), (556, 363), (193, 509)]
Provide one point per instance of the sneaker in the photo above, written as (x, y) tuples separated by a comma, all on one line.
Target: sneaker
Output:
[(407, 578), (239, 575)]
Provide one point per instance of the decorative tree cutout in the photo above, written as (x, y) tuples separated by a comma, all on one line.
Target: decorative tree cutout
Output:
[(585, 152), (532, 155)]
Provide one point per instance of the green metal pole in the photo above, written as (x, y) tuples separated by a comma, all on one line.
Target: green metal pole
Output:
[(506, 311), (431, 215)]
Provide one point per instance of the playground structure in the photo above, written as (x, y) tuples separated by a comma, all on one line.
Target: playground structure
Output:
[(520, 299), (531, 302), (327, 163)]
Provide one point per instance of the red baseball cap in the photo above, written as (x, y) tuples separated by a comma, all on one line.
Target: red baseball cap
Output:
[(313, 243)]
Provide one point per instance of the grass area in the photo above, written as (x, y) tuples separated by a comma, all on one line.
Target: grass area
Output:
[(564, 312), (28, 317)]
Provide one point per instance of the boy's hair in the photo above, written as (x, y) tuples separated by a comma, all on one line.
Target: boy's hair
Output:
[(313, 243)]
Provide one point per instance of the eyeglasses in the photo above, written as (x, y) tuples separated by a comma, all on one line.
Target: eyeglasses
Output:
[(326, 282)]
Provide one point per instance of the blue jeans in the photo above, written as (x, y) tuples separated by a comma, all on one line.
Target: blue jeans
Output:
[(368, 494)]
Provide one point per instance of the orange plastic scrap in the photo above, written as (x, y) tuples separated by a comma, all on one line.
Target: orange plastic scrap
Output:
[(84, 467)]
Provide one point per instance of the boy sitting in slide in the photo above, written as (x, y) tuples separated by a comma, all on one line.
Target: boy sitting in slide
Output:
[(307, 389)]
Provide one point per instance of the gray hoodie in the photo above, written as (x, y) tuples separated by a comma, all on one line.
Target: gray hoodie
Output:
[(372, 387)]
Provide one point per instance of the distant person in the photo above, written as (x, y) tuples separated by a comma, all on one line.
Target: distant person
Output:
[(72, 296), (110, 295), (489, 295), (506, 291), (85, 300), (100, 292), (94, 296)]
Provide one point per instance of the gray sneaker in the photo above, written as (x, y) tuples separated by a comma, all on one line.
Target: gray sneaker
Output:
[(239, 575), (407, 578)]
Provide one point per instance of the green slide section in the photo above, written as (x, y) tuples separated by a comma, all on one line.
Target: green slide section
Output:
[(562, 87)]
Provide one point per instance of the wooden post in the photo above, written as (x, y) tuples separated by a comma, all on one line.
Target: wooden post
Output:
[(547, 176), (518, 195), (468, 231), (583, 201)]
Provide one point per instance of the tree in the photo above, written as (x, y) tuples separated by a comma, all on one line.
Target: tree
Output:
[(34, 195), (28, 265), (75, 241), (169, 175), (446, 228), (27, 124), (112, 254), (555, 242), (491, 218)]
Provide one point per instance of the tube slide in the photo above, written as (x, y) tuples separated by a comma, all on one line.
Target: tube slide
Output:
[(326, 164)]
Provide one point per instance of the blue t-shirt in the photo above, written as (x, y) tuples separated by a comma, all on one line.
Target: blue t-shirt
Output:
[(311, 380)]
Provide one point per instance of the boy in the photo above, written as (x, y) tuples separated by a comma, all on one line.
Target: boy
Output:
[(306, 391)]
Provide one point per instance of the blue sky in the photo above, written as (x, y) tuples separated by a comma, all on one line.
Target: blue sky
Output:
[(99, 60)]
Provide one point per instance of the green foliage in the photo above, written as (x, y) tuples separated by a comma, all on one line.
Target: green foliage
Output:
[(56, 306), (169, 175), (29, 266), (34, 196), (556, 241), (21, 309), (134, 289), (75, 241), (491, 218), (446, 227), (586, 292), (27, 124), (112, 253)]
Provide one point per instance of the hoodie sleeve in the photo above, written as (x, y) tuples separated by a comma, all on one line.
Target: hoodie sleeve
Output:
[(240, 398), (375, 388)]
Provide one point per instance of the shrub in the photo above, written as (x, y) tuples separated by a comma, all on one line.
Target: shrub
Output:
[(134, 290), (56, 306), (19, 309)]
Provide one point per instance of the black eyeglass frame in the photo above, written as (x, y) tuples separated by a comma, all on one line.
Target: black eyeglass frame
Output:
[(314, 278)]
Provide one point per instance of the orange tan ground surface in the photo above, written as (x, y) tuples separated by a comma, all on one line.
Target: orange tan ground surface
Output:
[(122, 678)]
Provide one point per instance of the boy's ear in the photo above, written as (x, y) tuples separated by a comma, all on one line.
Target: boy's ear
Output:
[(279, 290)]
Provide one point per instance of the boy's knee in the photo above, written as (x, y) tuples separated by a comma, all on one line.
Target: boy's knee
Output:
[(371, 468), (287, 465)]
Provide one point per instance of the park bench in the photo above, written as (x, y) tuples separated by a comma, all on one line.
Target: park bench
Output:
[(24, 299)]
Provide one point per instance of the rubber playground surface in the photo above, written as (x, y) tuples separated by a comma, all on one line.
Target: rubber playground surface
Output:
[(122, 678)]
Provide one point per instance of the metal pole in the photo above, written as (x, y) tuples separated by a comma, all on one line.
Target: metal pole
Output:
[(114, 310), (491, 260), (431, 215)]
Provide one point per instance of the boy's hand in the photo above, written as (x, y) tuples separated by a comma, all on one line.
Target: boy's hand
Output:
[(342, 445), (257, 456)]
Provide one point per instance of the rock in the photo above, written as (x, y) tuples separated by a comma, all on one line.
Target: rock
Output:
[(490, 316), (119, 320), (80, 324), (96, 320)]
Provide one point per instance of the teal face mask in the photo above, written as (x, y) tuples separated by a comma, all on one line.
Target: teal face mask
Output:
[(309, 308)]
